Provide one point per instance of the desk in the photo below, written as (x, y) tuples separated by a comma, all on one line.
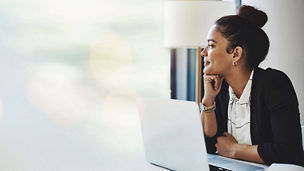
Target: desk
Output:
[(152, 167)]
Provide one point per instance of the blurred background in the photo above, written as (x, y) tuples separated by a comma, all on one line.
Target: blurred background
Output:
[(70, 71)]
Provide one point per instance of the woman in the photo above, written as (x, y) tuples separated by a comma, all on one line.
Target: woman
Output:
[(248, 113)]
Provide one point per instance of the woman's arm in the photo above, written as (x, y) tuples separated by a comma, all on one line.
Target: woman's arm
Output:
[(212, 86), (209, 121), (284, 118), (227, 146), (249, 153)]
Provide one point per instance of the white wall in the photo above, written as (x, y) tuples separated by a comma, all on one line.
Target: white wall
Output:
[(285, 28)]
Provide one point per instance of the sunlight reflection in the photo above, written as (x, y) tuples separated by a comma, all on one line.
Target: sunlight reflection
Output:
[(57, 89), (119, 114), (77, 82), (110, 61)]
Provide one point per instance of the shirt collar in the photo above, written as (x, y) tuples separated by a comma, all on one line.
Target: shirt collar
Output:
[(245, 97)]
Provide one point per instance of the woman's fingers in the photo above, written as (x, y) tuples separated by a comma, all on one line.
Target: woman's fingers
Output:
[(219, 80), (214, 80), (212, 86)]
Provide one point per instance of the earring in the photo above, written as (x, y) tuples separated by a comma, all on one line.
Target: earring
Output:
[(234, 63)]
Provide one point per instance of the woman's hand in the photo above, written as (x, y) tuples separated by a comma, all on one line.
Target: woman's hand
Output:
[(227, 145), (212, 86)]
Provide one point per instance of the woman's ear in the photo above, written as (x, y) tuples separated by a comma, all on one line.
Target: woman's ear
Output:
[(237, 53)]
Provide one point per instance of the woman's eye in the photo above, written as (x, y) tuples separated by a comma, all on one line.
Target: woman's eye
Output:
[(211, 46)]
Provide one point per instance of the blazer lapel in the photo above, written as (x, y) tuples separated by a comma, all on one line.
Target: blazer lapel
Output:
[(254, 100)]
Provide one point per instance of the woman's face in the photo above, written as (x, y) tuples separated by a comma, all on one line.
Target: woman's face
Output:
[(216, 58)]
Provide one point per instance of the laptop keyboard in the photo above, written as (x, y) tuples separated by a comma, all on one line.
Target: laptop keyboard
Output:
[(216, 168)]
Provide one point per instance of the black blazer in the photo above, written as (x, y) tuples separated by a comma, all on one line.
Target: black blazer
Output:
[(274, 118)]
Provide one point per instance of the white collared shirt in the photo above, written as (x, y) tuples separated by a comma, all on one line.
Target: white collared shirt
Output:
[(238, 123)]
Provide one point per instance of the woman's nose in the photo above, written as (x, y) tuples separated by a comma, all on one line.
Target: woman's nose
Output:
[(204, 52)]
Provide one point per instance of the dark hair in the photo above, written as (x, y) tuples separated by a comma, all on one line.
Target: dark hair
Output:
[(244, 29)]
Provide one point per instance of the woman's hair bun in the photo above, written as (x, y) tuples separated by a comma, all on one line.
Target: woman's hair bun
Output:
[(252, 15)]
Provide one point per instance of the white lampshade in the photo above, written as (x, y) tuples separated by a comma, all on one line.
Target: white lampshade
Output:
[(187, 22)]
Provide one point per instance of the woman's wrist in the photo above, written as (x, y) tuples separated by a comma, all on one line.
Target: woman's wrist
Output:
[(207, 102), (238, 149)]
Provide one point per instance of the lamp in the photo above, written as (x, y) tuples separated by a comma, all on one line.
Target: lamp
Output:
[(187, 24)]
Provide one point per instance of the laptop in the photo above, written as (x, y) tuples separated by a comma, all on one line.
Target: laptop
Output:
[(173, 136)]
